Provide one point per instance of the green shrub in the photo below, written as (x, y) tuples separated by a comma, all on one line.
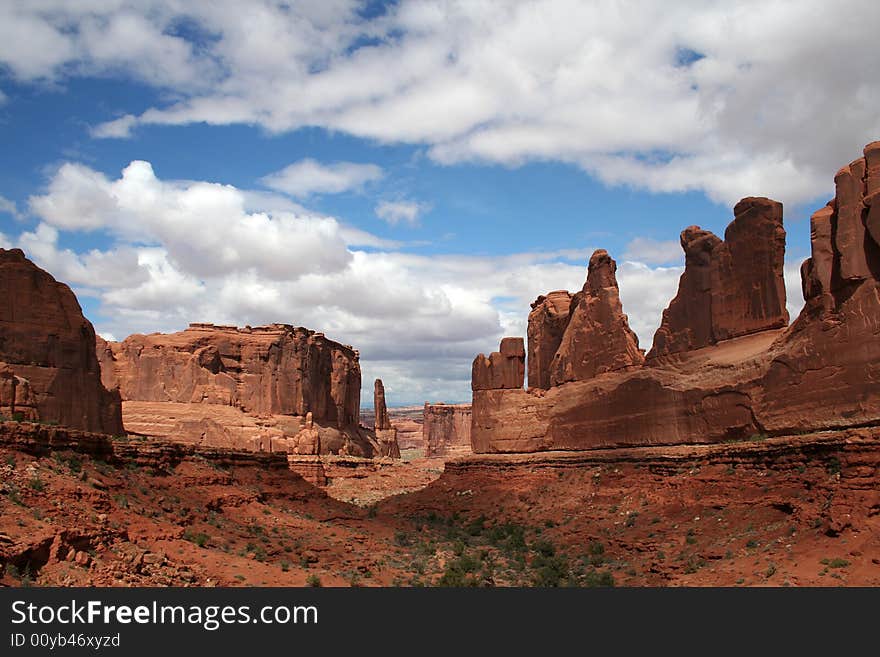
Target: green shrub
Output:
[(314, 581)]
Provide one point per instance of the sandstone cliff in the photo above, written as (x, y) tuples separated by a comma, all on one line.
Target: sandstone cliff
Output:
[(48, 367), (447, 429), (246, 387), (275, 369)]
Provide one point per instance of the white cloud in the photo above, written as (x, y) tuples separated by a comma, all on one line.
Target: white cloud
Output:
[(117, 128), (205, 226), (9, 207), (4, 242), (767, 110), (308, 177), (395, 212), (653, 252)]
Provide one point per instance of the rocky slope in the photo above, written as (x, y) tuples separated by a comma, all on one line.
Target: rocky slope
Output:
[(80, 509)]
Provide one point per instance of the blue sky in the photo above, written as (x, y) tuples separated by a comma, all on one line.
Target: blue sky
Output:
[(407, 177)]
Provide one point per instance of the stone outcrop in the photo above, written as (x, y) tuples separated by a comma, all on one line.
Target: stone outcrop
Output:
[(597, 338), (826, 370), (307, 440), (386, 435), (249, 388), (547, 323), (48, 367), (504, 368), (275, 369), (379, 407), (729, 288), (447, 429), (737, 373)]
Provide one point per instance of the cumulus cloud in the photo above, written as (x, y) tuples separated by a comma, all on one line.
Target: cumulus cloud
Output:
[(204, 226), (395, 212), (9, 207), (758, 106), (308, 177), (653, 252)]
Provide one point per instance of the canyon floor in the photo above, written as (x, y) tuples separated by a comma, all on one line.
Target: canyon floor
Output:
[(786, 511)]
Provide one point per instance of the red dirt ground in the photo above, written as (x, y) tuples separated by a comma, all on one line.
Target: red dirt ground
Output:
[(783, 511)]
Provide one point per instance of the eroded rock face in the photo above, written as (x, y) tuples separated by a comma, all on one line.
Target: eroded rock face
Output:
[(48, 367), (447, 429), (504, 368), (825, 372), (597, 338), (547, 323), (738, 372), (729, 288), (275, 369)]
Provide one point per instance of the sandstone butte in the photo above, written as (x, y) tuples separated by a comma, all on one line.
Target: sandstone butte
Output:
[(724, 365), (49, 371), (264, 388), (446, 430)]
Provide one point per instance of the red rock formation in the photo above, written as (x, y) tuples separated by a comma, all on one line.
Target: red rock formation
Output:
[(48, 367), (276, 369), (728, 288), (386, 435), (447, 429), (732, 377), (379, 407), (502, 369), (597, 338), (547, 323), (825, 372)]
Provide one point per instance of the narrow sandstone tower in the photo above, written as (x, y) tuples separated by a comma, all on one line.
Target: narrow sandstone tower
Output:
[(386, 435), (729, 288), (598, 338), (381, 410)]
